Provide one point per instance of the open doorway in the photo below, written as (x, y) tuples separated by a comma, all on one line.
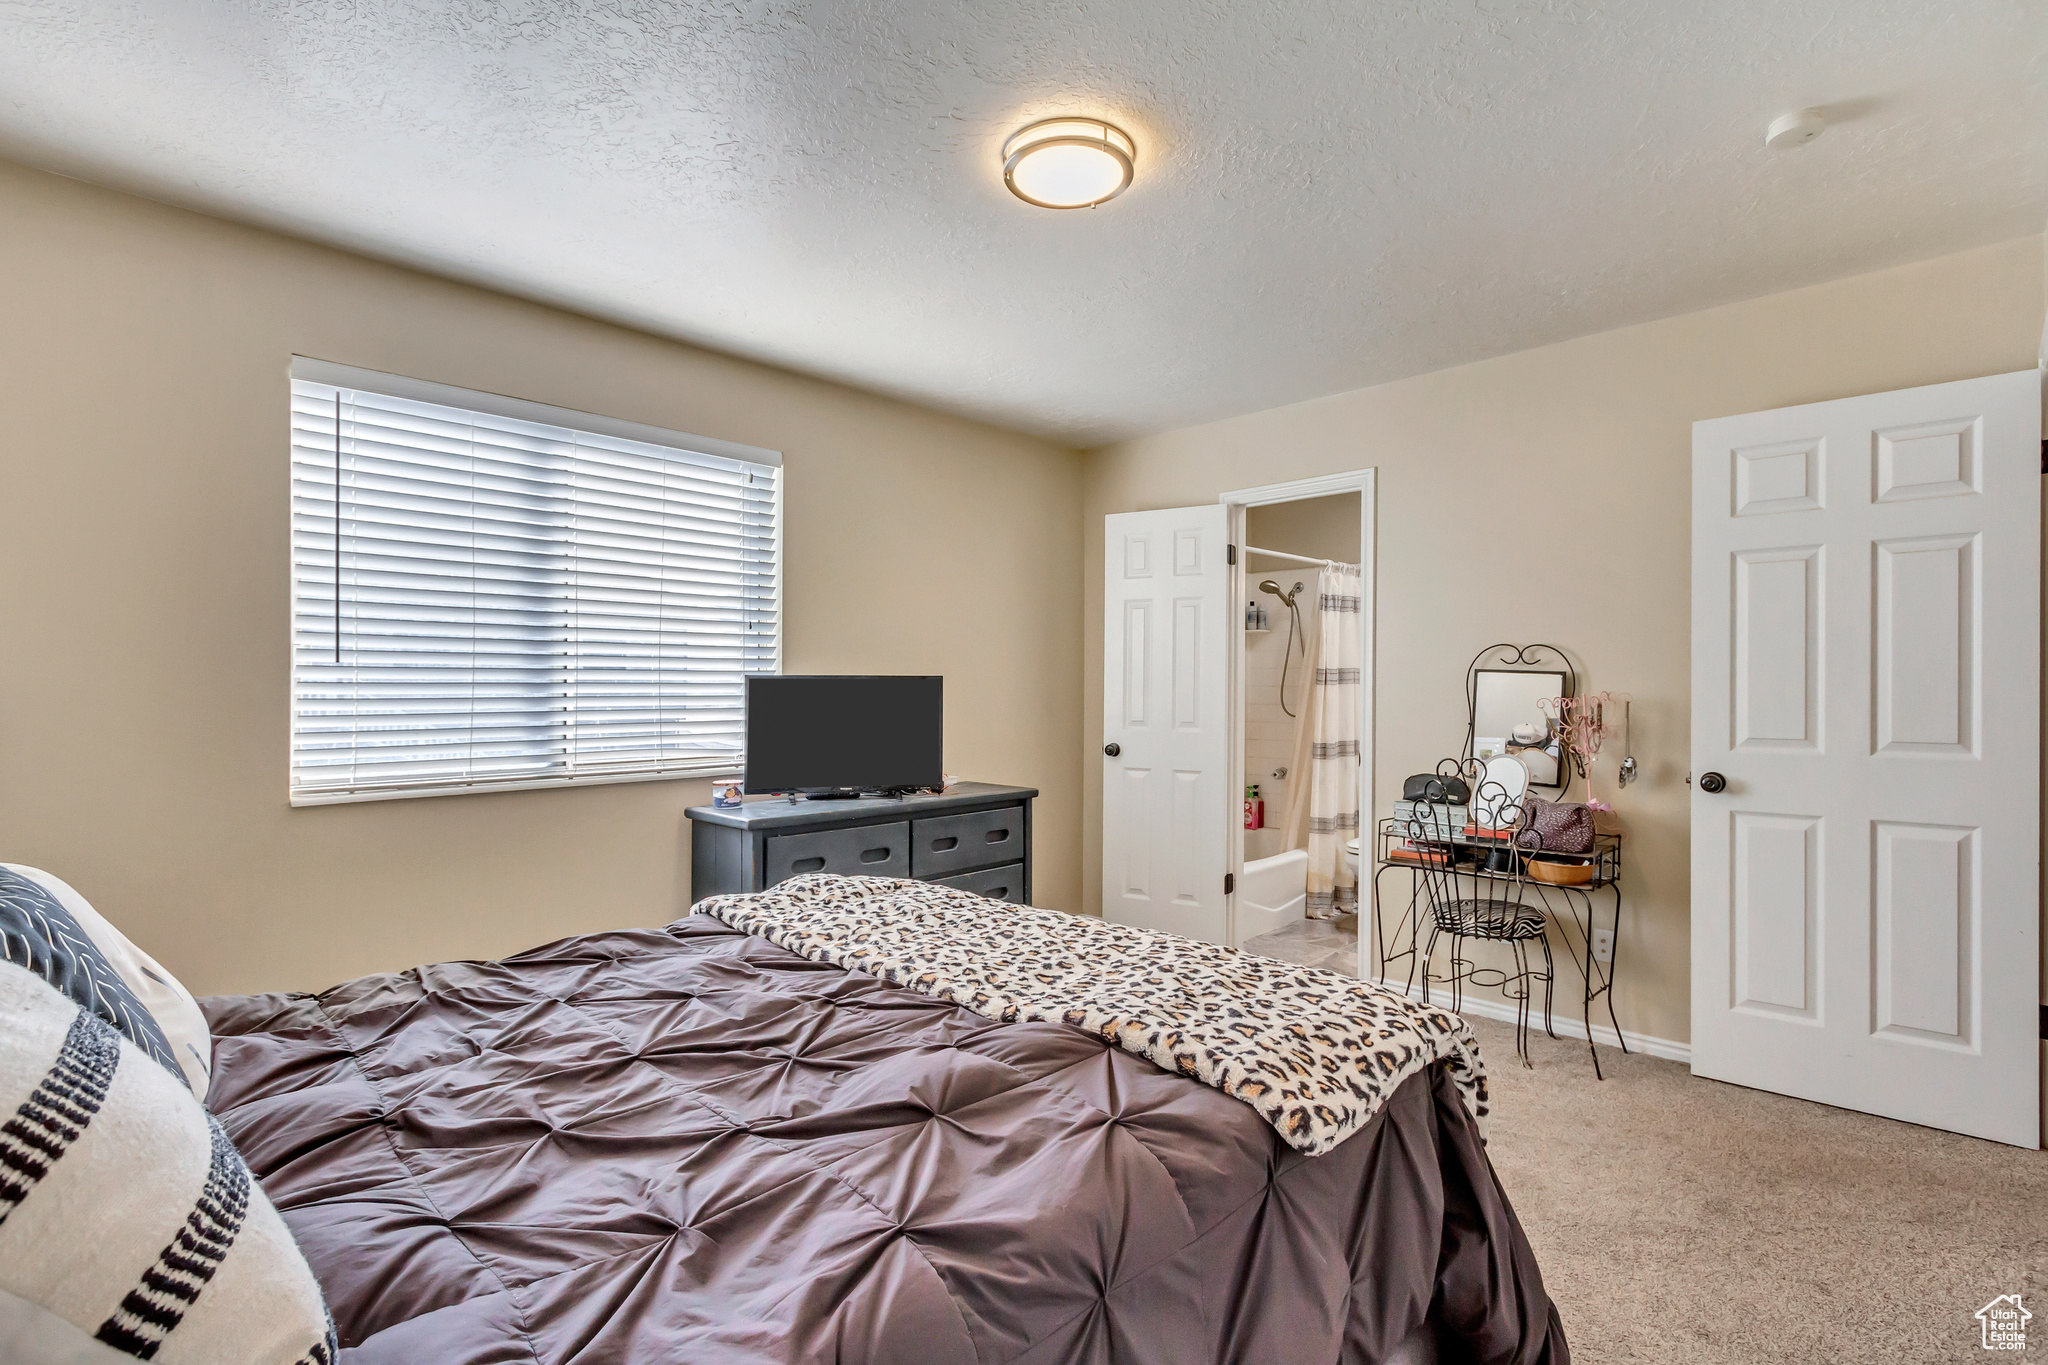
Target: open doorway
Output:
[(1175, 759), (1302, 737)]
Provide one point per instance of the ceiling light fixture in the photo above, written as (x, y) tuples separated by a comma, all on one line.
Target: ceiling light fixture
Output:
[(1069, 163), (1795, 129)]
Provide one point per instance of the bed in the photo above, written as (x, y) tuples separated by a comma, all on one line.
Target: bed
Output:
[(692, 1144)]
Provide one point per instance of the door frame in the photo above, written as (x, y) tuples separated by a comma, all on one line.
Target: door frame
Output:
[(1362, 482)]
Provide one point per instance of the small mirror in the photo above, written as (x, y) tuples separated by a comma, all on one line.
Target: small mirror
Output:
[(1507, 719)]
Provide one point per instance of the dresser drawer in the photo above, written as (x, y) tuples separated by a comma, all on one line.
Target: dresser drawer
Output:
[(997, 883), (944, 844), (862, 851)]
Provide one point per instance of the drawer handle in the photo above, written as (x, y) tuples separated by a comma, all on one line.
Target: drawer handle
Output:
[(874, 855), (1000, 893), (997, 836), (807, 865), (944, 845)]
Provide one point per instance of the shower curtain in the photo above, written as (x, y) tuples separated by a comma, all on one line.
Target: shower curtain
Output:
[(1329, 741)]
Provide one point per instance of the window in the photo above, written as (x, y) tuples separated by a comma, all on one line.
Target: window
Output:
[(488, 593)]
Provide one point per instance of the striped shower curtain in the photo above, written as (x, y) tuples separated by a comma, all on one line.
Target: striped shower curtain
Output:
[(1331, 718)]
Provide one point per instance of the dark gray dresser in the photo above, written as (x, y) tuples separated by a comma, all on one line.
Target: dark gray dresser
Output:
[(976, 836)]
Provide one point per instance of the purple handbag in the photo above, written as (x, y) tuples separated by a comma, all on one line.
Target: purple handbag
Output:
[(1560, 826)]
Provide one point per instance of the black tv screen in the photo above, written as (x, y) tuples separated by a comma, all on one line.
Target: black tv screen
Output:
[(843, 733)]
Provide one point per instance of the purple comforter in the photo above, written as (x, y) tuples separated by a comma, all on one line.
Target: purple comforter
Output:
[(689, 1145)]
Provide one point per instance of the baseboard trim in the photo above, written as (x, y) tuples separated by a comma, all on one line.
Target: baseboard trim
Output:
[(1566, 1027)]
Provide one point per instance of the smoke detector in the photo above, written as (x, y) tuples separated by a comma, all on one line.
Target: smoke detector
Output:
[(1795, 129)]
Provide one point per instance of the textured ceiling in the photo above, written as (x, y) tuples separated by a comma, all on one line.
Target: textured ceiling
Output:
[(1329, 194)]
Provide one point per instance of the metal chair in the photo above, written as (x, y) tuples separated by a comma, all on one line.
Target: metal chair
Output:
[(1477, 890)]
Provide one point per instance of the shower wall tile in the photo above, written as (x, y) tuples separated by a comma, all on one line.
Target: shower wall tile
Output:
[(1269, 730)]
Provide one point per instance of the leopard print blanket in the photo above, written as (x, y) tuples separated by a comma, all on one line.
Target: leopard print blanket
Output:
[(1314, 1052)]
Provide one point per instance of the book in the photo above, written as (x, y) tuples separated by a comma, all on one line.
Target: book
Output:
[(1409, 853)]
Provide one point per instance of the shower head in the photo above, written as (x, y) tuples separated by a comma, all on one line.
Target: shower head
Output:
[(1270, 586)]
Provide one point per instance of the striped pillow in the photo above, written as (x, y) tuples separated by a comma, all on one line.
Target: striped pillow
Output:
[(38, 933), (128, 1221), (176, 1013)]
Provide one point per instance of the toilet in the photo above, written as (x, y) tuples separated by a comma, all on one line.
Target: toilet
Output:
[(1351, 859)]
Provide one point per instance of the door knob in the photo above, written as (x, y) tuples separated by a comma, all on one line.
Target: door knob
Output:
[(1713, 783), (1112, 749)]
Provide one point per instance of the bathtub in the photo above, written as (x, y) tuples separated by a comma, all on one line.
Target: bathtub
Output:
[(1271, 893)]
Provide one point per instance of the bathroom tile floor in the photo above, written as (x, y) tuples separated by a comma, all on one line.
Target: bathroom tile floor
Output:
[(1331, 944)]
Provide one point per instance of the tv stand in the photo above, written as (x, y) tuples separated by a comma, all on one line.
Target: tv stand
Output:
[(975, 835)]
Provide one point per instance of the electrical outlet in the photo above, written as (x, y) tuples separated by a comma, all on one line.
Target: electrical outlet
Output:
[(1603, 945)]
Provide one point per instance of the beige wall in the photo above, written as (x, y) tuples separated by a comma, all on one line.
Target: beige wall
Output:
[(1321, 528), (143, 579), (143, 570), (1544, 496)]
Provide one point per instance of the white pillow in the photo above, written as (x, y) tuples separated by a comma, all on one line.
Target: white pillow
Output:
[(168, 1002), (127, 1218), (36, 1336)]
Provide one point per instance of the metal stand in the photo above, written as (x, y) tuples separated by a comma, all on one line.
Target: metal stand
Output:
[(1585, 917), (1582, 903)]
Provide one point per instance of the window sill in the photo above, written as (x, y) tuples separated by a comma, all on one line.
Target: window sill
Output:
[(697, 772)]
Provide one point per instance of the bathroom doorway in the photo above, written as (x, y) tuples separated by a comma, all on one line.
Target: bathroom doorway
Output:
[(1302, 702)]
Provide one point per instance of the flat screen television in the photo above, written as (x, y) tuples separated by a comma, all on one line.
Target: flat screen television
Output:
[(842, 735)]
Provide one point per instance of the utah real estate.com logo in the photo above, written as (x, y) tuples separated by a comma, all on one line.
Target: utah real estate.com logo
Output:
[(2005, 1323)]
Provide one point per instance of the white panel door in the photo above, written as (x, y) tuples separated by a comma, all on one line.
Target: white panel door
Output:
[(1866, 669), (1165, 730)]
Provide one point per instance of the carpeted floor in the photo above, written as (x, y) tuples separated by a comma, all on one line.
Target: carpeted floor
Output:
[(1690, 1222)]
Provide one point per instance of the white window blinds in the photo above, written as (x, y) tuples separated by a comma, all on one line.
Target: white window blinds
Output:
[(487, 593)]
